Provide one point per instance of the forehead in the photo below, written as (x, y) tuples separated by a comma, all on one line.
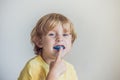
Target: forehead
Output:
[(63, 27)]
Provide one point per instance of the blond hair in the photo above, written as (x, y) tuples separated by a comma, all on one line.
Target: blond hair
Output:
[(47, 23)]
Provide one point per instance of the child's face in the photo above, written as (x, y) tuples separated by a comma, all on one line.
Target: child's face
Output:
[(57, 36)]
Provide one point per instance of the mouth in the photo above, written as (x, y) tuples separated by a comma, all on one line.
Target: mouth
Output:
[(57, 47)]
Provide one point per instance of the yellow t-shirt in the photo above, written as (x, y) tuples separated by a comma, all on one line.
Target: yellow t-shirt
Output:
[(37, 69)]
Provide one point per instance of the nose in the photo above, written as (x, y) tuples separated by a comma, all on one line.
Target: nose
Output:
[(59, 38)]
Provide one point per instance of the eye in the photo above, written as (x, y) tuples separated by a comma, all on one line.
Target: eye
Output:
[(51, 34), (66, 34)]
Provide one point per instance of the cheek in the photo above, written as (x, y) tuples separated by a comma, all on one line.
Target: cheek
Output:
[(48, 42), (69, 43)]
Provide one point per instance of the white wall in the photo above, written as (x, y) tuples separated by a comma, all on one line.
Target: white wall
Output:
[(96, 52)]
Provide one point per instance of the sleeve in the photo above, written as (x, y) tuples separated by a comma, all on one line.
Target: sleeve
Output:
[(25, 73), (31, 72)]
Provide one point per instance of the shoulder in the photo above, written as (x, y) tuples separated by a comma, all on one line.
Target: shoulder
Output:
[(71, 72), (37, 62), (34, 61), (69, 65), (32, 64), (32, 69)]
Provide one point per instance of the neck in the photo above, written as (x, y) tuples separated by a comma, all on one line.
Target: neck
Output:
[(47, 60)]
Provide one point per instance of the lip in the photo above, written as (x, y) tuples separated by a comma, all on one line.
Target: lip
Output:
[(57, 47)]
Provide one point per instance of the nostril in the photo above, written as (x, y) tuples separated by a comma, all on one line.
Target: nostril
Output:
[(59, 40)]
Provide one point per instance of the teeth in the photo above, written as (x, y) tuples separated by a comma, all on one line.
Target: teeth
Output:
[(58, 47)]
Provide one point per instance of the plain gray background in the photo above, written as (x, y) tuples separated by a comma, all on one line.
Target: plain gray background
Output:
[(96, 52)]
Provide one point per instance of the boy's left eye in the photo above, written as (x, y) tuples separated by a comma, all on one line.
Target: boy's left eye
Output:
[(65, 34)]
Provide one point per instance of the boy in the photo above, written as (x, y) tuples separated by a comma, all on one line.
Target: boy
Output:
[(53, 37)]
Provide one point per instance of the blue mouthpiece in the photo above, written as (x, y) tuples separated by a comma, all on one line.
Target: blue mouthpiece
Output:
[(58, 47)]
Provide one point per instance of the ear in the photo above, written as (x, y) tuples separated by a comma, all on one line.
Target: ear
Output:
[(39, 43)]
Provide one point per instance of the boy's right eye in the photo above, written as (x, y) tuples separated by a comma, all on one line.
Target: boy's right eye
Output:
[(51, 34)]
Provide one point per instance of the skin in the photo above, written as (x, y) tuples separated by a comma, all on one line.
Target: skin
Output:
[(54, 58)]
